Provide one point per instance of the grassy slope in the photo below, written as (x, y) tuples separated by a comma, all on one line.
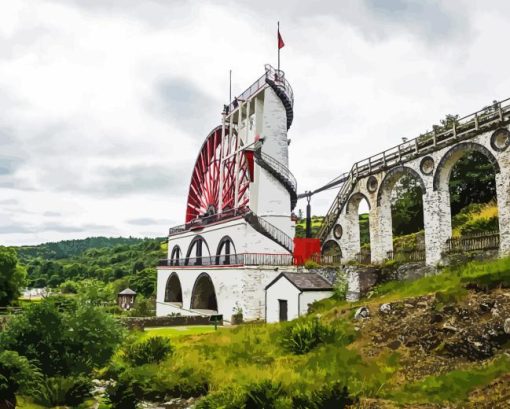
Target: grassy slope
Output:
[(237, 357)]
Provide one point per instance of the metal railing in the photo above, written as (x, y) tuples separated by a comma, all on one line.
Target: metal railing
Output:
[(363, 257), (277, 76), (480, 241), (243, 259), (406, 255), (279, 168), (455, 130), (204, 221), (327, 260), (271, 231)]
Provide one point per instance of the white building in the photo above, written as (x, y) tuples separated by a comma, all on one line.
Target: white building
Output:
[(289, 295), (238, 233)]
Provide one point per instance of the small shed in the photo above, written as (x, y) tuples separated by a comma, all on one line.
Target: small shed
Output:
[(126, 299), (289, 295)]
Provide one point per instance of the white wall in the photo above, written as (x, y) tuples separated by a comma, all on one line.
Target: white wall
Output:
[(245, 238), (243, 286), (283, 289), (309, 297)]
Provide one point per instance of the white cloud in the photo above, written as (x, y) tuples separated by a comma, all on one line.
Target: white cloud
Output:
[(99, 131)]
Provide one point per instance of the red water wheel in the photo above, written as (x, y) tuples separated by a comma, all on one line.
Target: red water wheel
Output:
[(204, 191)]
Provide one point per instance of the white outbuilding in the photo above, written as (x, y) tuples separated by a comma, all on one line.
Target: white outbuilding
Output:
[(289, 295)]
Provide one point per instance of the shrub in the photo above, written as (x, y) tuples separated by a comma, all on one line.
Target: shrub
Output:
[(229, 398), (62, 338), (263, 395), (152, 350), (303, 336), (480, 225), (121, 395), (16, 374), (311, 264), (63, 391), (332, 396)]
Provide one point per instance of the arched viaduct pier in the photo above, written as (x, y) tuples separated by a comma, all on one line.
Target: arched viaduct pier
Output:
[(428, 159)]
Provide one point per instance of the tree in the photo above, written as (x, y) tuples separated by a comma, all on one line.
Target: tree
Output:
[(407, 207), (472, 181), (16, 374), (144, 282), (12, 276), (62, 337)]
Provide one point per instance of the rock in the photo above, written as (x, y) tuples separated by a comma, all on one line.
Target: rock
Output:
[(506, 326), (394, 344), (435, 318), (449, 327), (385, 308), (361, 312)]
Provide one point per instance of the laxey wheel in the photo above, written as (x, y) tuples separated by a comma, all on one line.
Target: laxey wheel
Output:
[(204, 191)]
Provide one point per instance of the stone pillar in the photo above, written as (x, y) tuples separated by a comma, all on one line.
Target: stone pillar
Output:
[(437, 222), (381, 232), (503, 196), (350, 241)]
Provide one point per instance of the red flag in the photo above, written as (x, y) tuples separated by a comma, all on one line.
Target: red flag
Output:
[(280, 40)]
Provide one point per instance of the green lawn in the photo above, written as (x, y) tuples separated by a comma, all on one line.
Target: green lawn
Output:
[(176, 332)]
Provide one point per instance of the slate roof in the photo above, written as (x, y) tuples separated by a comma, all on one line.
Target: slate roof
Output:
[(305, 281), (127, 291)]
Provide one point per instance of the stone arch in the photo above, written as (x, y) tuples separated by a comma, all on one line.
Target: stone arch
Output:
[(173, 289), (355, 200), (197, 244), (225, 250), (393, 176), (330, 248), (175, 255), (445, 165), (203, 296)]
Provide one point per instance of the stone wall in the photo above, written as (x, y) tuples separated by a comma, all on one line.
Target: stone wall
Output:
[(152, 322), (431, 168)]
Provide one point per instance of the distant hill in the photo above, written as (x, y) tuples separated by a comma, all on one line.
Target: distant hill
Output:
[(70, 248), (101, 258)]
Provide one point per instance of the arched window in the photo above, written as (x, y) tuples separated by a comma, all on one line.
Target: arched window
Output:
[(203, 296), (173, 290), (198, 253), (175, 256), (225, 250)]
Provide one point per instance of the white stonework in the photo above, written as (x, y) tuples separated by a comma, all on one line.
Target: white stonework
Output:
[(436, 199), (222, 283), (298, 301), (234, 287)]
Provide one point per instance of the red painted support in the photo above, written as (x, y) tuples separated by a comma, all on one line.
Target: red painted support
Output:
[(304, 249)]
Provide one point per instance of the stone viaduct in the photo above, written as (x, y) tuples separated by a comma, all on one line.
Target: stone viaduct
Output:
[(429, 159)]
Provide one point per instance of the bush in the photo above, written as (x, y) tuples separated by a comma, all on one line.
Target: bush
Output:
[(16, 375), (229, 398), (263, 395), (63, 391), (62, 337), (311, 265), (121, 395), (152, 350), (303, 336), (480, 225), (331, 396)]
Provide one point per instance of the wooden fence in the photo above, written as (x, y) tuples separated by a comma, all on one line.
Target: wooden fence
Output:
[(480, 241), (407, 255)]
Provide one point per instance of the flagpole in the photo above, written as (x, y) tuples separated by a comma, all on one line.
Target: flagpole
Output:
[(278, 48)]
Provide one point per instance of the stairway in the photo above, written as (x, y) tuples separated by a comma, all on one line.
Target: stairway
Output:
[(270, 231), (280, 172), (276, 80)]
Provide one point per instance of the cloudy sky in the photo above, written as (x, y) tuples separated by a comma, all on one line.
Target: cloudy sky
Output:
[(105, 103)]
